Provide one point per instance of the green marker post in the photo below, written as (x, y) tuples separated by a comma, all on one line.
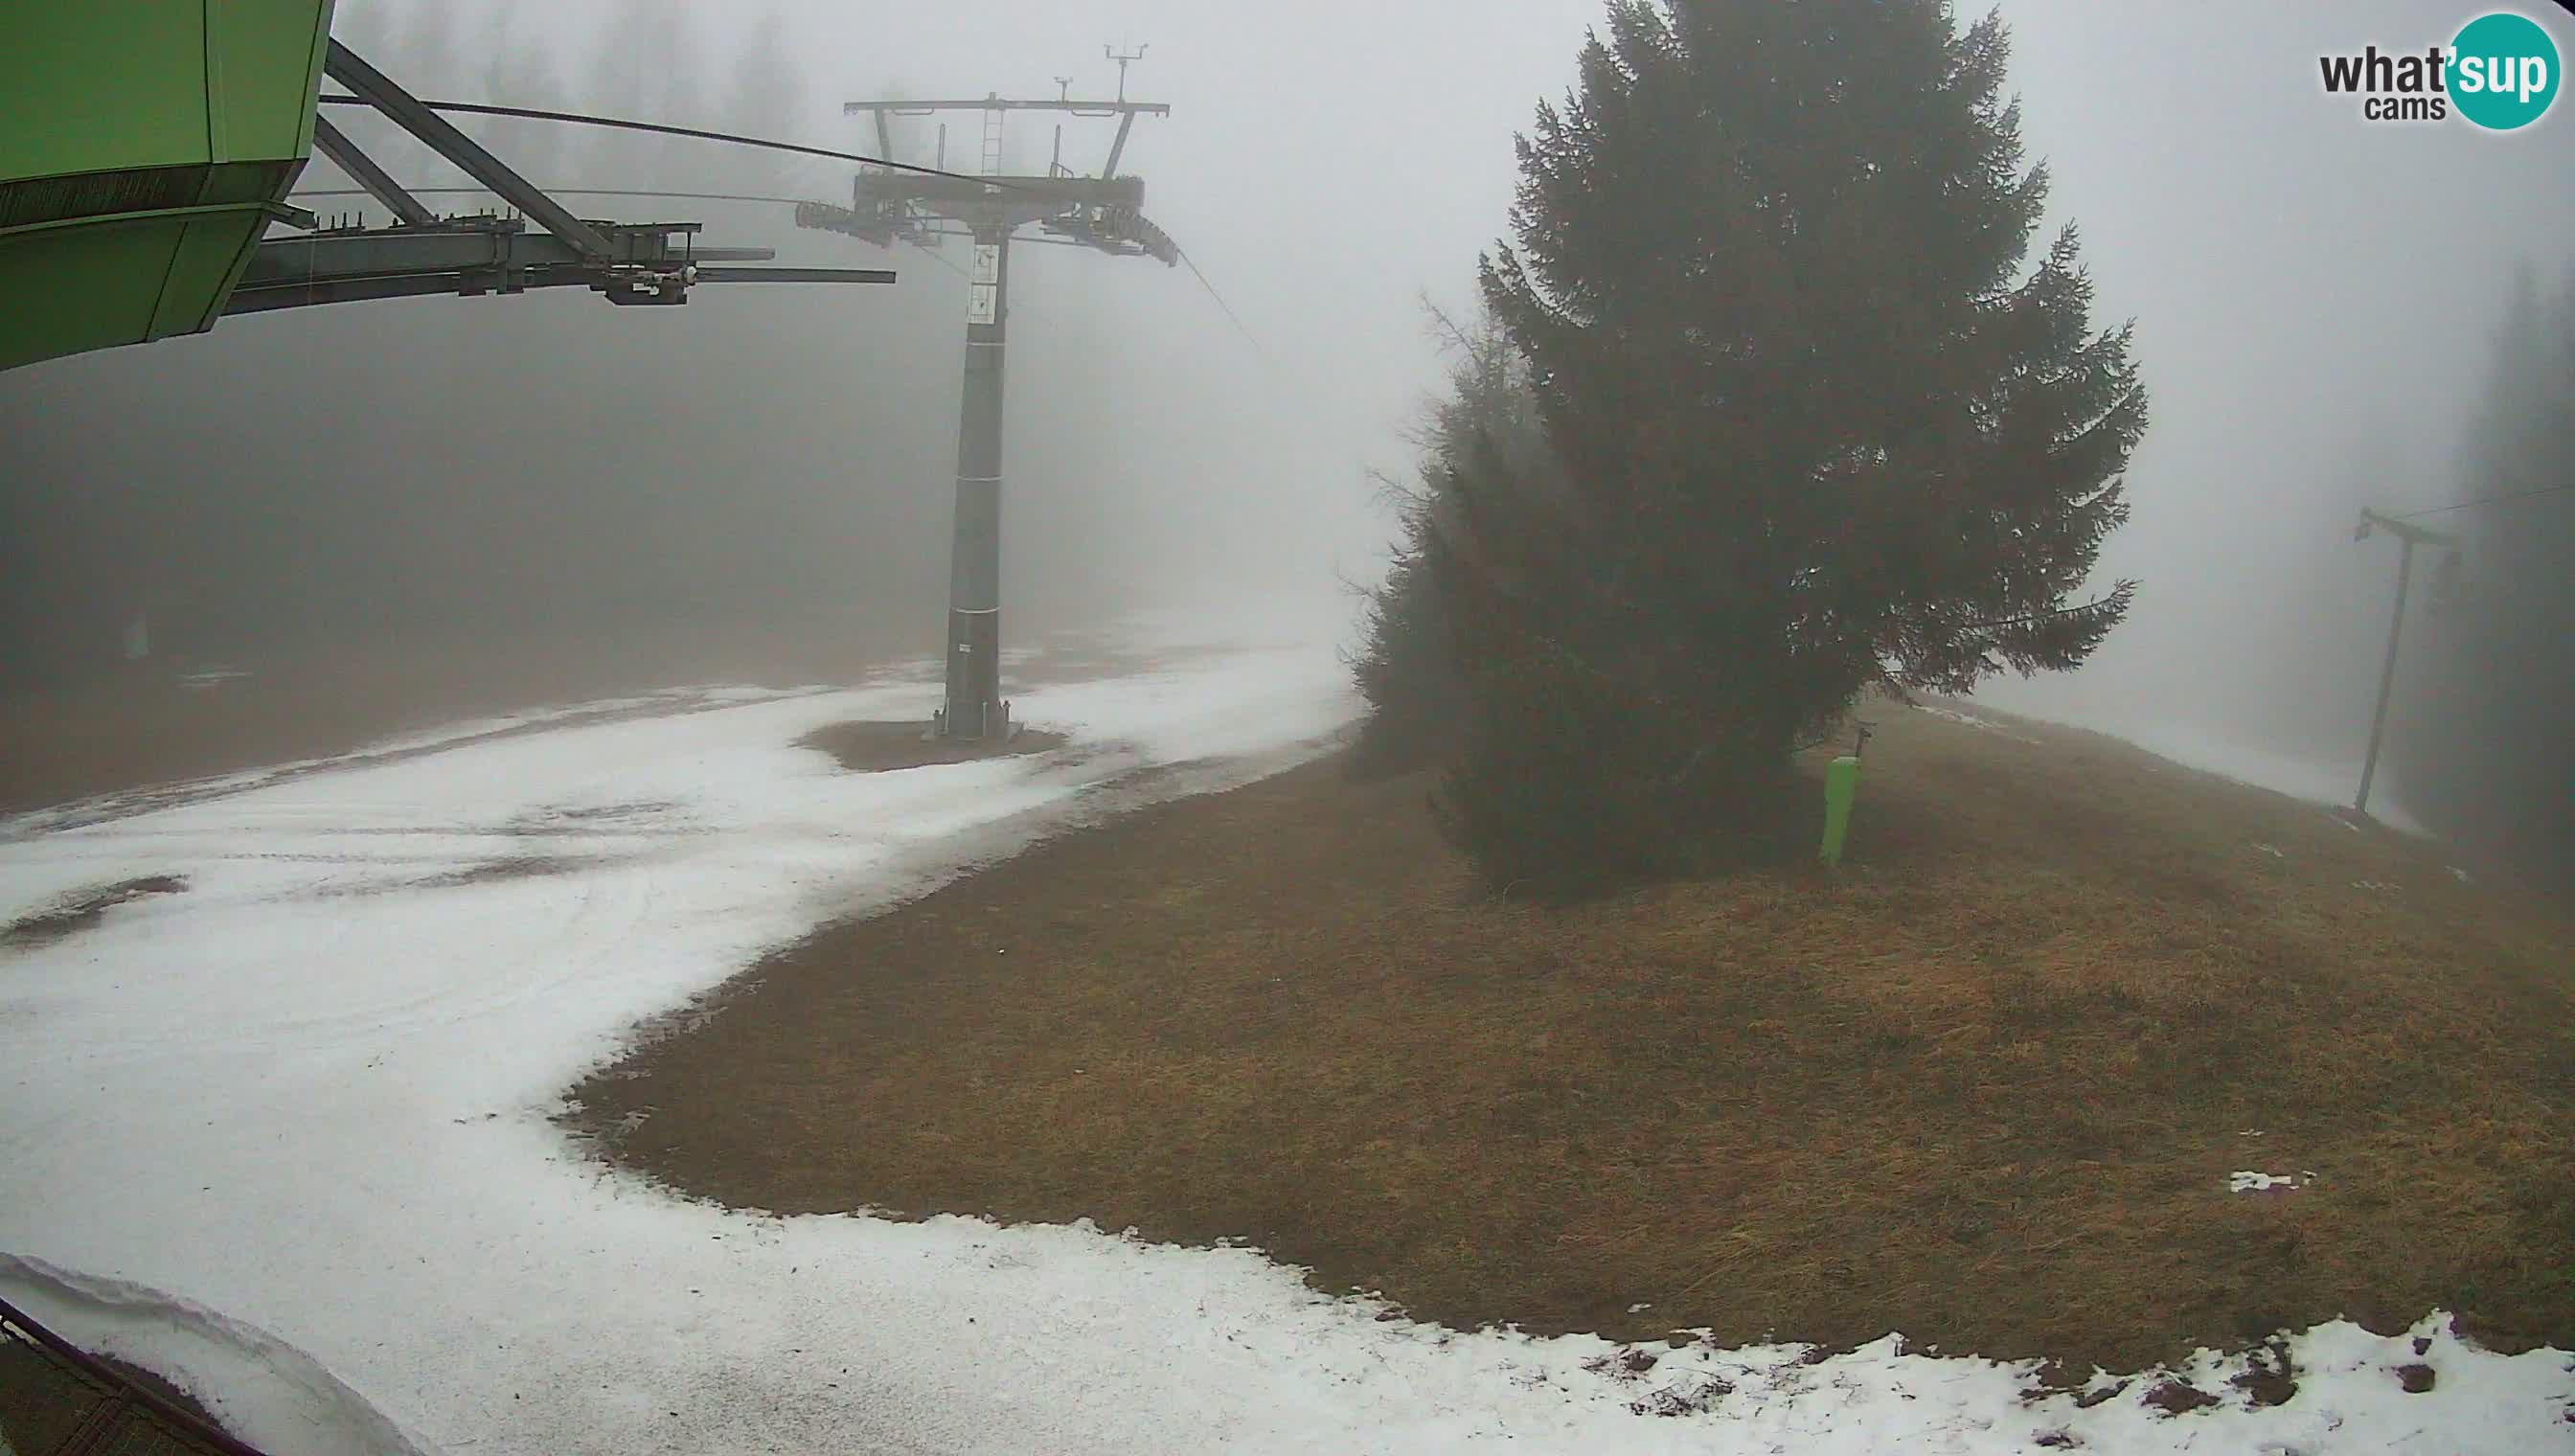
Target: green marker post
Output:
[(1842, 786)]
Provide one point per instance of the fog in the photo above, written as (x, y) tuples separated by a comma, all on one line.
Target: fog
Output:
[(2315, 300)]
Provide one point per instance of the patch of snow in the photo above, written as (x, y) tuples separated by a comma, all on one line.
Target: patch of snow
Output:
[(103, 807), (2460, 874), (315, 1094), (2377, 887), (261, 1388), (1971, 720), (2250, 1183), (2317, 781), (2271, 849)]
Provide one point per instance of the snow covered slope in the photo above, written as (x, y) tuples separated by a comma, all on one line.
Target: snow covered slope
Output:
[(284, 1134)]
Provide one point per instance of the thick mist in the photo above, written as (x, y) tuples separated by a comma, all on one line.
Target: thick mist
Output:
[(2316, 300), (547, 462)]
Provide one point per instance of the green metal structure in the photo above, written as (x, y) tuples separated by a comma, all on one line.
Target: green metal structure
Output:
[(145, 146)]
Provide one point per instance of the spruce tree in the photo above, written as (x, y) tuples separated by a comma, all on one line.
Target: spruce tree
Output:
[(1406, 667), (1816, 421)]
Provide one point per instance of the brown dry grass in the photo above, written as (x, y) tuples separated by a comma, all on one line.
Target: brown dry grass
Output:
[(1984, 1087)]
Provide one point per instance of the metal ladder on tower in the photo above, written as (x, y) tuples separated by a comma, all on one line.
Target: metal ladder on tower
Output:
[(992, 144)]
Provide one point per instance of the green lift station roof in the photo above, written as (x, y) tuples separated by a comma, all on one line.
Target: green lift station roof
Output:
[(145, 146)]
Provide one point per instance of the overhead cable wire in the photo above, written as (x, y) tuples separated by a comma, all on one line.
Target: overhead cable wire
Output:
[(2490, 501), (575, 118), (1236, 319)]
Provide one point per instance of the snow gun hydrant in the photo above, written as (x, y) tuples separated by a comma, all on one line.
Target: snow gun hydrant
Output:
[(1842, 786)]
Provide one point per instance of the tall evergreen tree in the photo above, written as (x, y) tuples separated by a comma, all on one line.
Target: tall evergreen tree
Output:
[(1820, 424), (1406, 667)]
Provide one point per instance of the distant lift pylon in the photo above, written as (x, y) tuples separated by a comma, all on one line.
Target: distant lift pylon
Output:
[(2411, 537)]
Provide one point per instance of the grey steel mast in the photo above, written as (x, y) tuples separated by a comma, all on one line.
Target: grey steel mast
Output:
[(1097, 212)]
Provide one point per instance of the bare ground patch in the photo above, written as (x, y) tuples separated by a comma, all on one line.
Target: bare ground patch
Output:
[(82, 909), (1986, 1087), (496, 871), (876, 747)]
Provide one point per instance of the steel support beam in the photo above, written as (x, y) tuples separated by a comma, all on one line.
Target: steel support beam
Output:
[(974, 710), (651, 264), (406, 110), (1118, 148), (295, 293), (261, 298), (380, 253), (361, 170), (1031, 197), (471, 243), (719, 274)]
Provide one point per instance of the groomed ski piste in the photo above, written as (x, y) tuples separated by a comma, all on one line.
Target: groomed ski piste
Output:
[(287, 1135)]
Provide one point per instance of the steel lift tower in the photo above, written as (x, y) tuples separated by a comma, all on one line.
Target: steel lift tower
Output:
[(1100, 212), (2411, 537)]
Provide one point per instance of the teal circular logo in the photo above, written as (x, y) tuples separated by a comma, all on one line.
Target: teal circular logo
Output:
[(2503, 71)]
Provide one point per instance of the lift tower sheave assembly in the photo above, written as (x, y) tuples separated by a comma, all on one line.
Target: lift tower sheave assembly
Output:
[(1103, 213)]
